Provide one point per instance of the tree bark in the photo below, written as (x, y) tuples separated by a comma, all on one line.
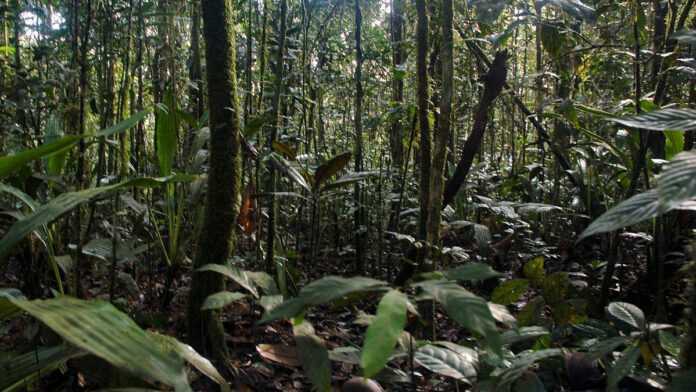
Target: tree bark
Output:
[(437, 179), (494, 82), (215, 243), (423, 121), (360, 234)]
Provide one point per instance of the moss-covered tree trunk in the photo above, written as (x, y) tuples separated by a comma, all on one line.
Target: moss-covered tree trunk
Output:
[(214, 245)]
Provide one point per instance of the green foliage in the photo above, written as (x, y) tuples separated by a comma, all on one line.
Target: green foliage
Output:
[(99, 328), (65, 202), (383, 332), (313, 355), (460, 364), (220, 300)]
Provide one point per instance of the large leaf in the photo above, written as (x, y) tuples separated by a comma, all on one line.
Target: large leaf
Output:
[(330, 168), (220, 300), (124, 125), (331, 288), (313, 356), (103, 330), (629, 212), (65, 202), (467, 309), (289, 170), (510, 291), (192, 357), (11, 163), (522, 362), (677, 183), (19, 371), (239, 276), (472, 272), (447, 362), (523, 334), (661, 120), (622, 367), (383, 332), (627, 314), (167, 133), (7, 308)]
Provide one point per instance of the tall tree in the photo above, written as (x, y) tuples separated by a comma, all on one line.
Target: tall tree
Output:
[(277, 124), (423, 120), (359, 208), (437, 179), (216, 238)]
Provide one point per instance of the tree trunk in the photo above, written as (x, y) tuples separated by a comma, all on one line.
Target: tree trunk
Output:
[(360, 234), (494, 82), (215, 242), (437, 179), (423, 121), (277, 124)]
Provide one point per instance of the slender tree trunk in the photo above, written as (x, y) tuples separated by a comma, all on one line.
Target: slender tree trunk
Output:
[(396, 134), (494, 82), (360, 234), (277, 124), (196, 91), (222, 206), (423, 121), (437, 179)]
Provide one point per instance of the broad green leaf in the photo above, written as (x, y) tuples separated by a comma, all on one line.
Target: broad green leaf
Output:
[(536, 208), (622, 367), (383, 332), (661, 120), (193, 358), (220, 300), (531, 312), (286, 310), (7, 308), (19, 194), (670, 343), (627, 314), (124, 125), (447, 362), (241, 277), (509, 291), (11, 163), (606, 346), (331, 288), (103, 330), (54, 131), (470, 311), (534, 270), (63, 203), (677, 183), (522, 362), (313, 356), (330, 168), (674, 143), (472, 272), (290, 171), (20, 370), (351, 178), (525, 333), (629, 212), (166, 133)]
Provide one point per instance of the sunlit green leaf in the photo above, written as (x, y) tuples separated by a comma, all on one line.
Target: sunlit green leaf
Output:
[(383, 332)]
